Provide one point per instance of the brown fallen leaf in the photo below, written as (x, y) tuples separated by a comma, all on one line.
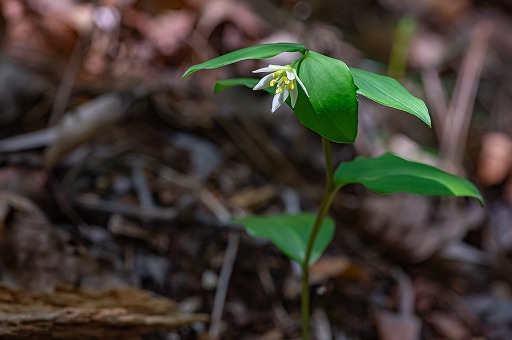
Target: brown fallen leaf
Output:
[(402, 324), (273, 334), (23, 180), (218, 11), (253, 197), (34, 254), (37, 256), (448, 326), (420, 229), (444, 13), (169, 30), (334, 267), (393, 326), (495, 161)]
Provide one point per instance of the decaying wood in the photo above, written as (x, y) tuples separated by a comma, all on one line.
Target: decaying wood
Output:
[(69, 313)]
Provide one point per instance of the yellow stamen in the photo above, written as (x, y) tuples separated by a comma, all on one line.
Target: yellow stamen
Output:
[(279, 90), (272, 82), (290, 86)]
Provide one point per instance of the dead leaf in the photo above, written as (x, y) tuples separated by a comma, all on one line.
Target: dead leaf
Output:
[(495, 161), (402, 324), (495, 312), (168, 31), (334, 267), (420, 229), (442, 12), (448, 326), (273, 334), (216, 12), (35, 254), (254, 197), (427, 50), (75, 14), (23, 180), (393, 326)]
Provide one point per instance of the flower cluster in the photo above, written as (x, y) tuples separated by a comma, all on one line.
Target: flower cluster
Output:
[(285, 79)]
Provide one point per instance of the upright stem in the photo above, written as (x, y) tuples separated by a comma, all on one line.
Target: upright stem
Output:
[(326, 147), (330, 191)]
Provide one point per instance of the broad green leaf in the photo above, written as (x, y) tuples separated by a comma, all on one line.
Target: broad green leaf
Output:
[(389, 92), (222, 84), (253, 52), (290, 233), (331, 108), (389, 174), (247, 82)]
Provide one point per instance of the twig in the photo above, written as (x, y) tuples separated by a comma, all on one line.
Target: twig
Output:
[(141, 186), (150, 213), (222, 288), (247, 146), (214, 205), (270, 289), (459, 115), (406, 303), (204, 195), (262, 139), (68, 79), (436, 98), (321, 325), (30, 140), (63, 200)]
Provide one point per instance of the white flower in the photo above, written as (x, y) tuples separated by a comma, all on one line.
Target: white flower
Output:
[(286, 78)]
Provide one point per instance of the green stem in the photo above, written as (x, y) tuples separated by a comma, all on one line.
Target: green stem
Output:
[(324, 207), (326, 147)]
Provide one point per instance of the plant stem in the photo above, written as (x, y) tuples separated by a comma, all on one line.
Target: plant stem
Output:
[(330, 191), (326, 147)]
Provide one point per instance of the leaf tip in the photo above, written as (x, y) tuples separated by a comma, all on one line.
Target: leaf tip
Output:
[(187, 73), (426, 115), (480, 198), (428, 121)]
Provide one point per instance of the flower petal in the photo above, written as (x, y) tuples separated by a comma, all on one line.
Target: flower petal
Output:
[(270, 68), (300, 82), (279, 99), (290, 74), (293, 95), (264, 82)]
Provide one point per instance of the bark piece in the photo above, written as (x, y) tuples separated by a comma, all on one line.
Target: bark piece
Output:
[(68, 313)]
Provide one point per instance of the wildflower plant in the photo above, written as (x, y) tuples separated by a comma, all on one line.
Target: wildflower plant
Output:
[(322, 92)]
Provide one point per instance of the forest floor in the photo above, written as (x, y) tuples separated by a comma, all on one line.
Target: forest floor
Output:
[(118, 180)]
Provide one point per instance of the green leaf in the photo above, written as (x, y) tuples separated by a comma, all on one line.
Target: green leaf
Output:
[(223, 84), (253, 52), (331, 108), (290, 233), (247, 82), (389, 92), (389, 174)]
